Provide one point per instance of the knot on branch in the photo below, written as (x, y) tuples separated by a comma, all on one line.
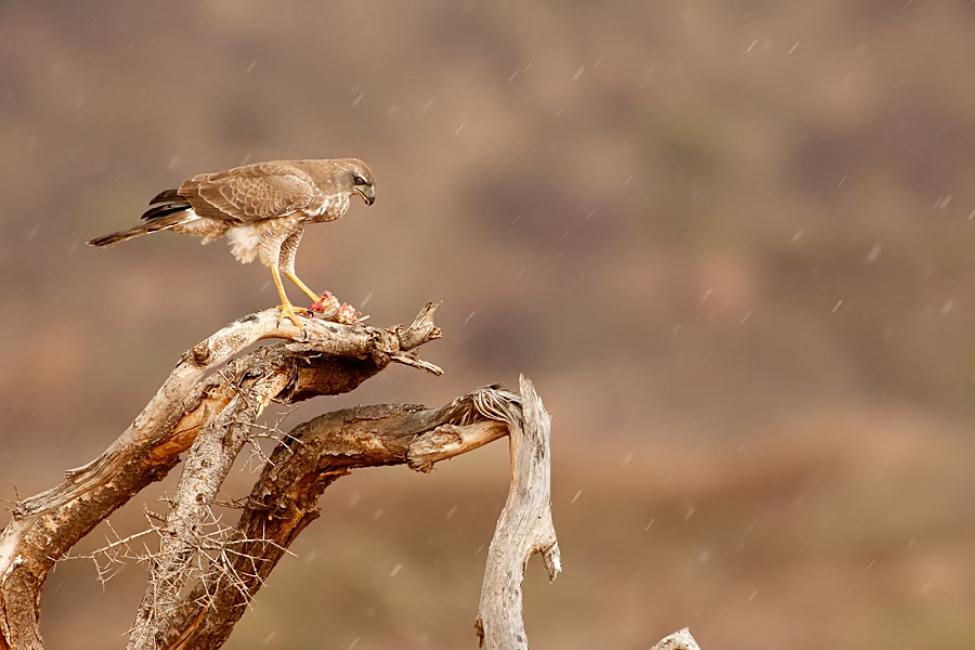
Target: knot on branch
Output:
[(198, 355)]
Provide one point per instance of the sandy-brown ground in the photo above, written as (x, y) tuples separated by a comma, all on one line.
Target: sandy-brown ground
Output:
[(732, 243)]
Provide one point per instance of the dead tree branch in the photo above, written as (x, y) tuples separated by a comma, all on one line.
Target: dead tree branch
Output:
[(209, 461), (326, 359), (205, 573), (525, 525), (311, 457)]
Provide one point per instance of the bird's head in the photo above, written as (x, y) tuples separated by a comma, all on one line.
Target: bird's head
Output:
[(356, 177)]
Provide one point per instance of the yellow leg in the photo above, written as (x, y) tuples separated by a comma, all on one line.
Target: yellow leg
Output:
[(301, 285), (287, 309)]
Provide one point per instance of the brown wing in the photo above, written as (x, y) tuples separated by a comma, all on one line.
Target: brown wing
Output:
[(251, 193)]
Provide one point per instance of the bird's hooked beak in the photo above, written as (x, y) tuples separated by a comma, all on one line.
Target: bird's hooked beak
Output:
[(368, 193)]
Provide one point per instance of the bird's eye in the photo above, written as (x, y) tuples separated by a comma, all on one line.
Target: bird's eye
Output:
[(358, 180)]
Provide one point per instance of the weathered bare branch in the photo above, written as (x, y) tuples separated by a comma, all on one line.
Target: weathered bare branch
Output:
[(309, 459), (525, 525), (209, 461), (205, 573), (326, 359)]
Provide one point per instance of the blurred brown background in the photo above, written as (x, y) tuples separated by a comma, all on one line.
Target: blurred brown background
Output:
[(732, 242)]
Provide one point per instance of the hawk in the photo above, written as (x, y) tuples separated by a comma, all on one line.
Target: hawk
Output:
[(261, 208)]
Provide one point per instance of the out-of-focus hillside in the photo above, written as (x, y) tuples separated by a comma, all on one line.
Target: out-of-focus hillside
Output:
[(732, 243)]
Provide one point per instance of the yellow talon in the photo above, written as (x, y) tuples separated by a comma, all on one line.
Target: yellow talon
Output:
[(287, 310), (290, 312)]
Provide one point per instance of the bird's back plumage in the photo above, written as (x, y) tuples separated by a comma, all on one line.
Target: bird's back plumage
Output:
[(252, 193), (257, 205), (166, 196)]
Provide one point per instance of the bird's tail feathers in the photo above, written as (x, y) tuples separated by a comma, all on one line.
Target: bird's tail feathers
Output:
[(155, 224), (165, 203), (159, 211), (166, 196)]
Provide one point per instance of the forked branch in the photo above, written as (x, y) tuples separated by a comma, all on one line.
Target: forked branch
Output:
[(204, 574), (325, 359), (312, 456)]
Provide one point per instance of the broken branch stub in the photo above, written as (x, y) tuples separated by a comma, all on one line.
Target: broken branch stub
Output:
[(679, 640), (525, 526)]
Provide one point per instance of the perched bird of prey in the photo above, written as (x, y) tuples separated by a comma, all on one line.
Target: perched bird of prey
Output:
[(262, 209)]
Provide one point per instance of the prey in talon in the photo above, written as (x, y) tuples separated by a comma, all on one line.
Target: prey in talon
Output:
[(262, 209), (330, 308)]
